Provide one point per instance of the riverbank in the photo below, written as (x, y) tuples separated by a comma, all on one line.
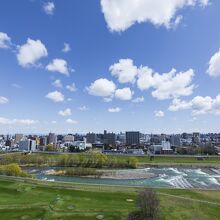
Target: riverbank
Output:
[(32, 199)]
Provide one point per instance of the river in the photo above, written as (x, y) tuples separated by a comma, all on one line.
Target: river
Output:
[(207, 178)]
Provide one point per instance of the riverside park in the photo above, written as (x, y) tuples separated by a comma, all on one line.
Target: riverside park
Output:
[(87, 186)]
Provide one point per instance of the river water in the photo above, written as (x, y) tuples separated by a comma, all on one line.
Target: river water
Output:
[(208, 178)]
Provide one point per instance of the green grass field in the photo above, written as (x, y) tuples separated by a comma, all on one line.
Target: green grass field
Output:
[(20, 200)]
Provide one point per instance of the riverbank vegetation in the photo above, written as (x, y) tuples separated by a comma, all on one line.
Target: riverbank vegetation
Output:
[(79, 171), (91, 160), (13, 170)]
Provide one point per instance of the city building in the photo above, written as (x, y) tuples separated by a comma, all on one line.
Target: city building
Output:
[(27, 145), (109, 138), (52, 139), (175, 140), (91, 138), (132, 137), (18, 137), (196, 138), (68, 138)]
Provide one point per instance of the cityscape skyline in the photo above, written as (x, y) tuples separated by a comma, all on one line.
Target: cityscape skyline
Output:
[(73, 69)]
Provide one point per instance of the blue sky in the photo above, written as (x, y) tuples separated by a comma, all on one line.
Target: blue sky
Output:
[(118, 51)]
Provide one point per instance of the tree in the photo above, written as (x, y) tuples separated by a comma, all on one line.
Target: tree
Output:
[(148, 203)]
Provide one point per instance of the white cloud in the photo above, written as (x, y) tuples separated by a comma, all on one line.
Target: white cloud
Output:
[(5, 41), (114, 110), (167, 85), (72, 87), (138, 99), (49, 8), (66, 112), (107, 99), (53, 122), (102, 87), (124, 70), (199, 105), (7, 121), (60, 66), (214, 65), (71, 121), (159, 114), (57, 83), (83, 108), (29, 53), (66, 48), (15, 85), (55, 96), (123, 94), (3, 100), (122, 14)]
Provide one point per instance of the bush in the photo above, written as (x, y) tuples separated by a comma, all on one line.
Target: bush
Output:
[(136, 215), (148, 203), (13, 170)]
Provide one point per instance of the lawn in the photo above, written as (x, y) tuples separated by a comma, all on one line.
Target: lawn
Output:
[(20, 200)]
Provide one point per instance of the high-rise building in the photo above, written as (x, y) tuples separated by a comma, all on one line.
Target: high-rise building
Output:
[(52, 139), (175, 140), (132, 137), (18, 137), (43, 141), (109, 138), (68, 138), (27, 145), (91, 138)]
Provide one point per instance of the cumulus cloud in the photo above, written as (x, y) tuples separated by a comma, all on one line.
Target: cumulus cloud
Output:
[(83, 108), (3, 100), (159, 114), (31, 52), (66, 112), (71, 121), (57, 83), (122, 14), (214, 65), (107, 99), (66, 48), (60, 66), (124, 70), (7, 121), (198, 105), (165, 86), (5, 41), (72, 87), (55, 96), (123, 94), (114, 110), (15, 85), (102, 87), (49, 8), (138, 99)]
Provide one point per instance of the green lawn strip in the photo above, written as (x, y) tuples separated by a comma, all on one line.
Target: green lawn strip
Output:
[(65, 203)]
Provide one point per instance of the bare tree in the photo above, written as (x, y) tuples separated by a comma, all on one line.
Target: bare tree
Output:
[(148, 203)]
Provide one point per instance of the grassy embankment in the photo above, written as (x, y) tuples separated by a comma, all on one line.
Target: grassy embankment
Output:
[(19, 200)]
